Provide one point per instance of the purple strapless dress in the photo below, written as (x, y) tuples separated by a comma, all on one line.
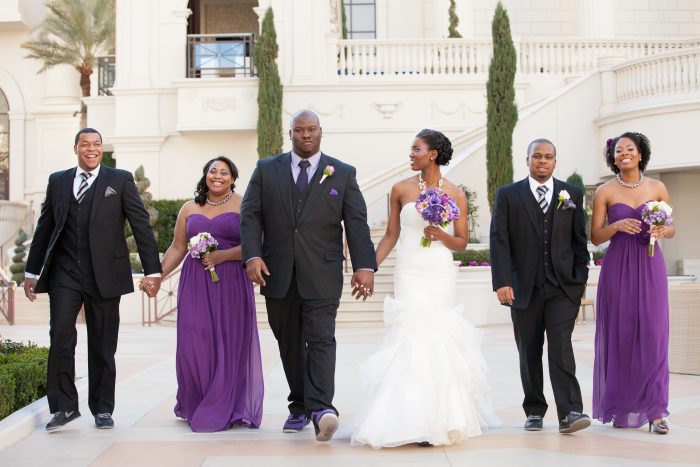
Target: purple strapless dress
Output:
[(218, 363), (630, 373)]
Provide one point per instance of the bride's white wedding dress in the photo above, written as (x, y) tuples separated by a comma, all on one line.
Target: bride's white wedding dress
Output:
[(427, 381)]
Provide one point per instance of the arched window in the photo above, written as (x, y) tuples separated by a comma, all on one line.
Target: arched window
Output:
[(4, 147)]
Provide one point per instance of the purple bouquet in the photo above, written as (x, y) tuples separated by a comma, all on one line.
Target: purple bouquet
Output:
[(656, 213), (201, 244), (437, 208)]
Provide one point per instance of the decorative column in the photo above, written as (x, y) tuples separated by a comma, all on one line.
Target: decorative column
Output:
[(595, 18)]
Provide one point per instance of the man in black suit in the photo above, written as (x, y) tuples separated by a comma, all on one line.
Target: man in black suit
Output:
[(79, 256), (292, 220), (539, 268)]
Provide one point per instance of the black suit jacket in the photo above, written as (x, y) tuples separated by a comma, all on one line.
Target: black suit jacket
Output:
[(516, 235), (110, 208), (314, 243)]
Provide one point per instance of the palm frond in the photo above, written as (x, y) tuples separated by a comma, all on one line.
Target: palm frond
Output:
[(74, 32)]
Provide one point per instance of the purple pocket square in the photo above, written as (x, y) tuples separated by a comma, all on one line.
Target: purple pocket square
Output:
[(333, 192)]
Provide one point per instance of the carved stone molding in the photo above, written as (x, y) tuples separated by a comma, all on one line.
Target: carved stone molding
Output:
[(338, 109), (218, 104), (387, 109), (462, 108)]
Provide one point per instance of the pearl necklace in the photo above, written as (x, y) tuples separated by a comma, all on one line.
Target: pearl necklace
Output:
[(422, 186), (630, 185), (219, 203)]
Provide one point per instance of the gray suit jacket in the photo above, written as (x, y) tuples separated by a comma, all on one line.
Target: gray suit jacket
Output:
[(313, 244)]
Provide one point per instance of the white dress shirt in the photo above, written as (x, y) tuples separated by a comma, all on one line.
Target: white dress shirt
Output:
[(534, 184), (310, 170), (78, 179)]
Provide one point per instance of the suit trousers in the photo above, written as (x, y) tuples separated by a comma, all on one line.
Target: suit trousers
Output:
[(550, 312), (305, 333), (102, 322)]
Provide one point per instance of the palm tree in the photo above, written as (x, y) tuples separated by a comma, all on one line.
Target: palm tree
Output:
[(73, 33)]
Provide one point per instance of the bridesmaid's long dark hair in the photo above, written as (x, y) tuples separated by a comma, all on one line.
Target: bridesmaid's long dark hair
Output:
[(200, 194)]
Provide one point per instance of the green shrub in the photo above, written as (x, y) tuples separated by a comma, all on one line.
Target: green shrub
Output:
[(480, 256), (22, 375), (164, 225), (167, 215)]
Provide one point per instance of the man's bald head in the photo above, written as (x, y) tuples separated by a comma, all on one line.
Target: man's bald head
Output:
[(305, 133)]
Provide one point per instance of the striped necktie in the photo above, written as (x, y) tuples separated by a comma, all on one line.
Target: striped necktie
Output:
[(83, 186), (541, 199)]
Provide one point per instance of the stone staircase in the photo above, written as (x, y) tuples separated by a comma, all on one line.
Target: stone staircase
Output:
[(352, 311)]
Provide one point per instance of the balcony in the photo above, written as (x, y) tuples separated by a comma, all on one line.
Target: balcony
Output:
[(106, 72), (220, 55)]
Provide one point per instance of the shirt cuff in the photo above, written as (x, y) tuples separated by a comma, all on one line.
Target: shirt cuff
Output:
[(365, 269), (251, 259), (156, 274), (29, 275)]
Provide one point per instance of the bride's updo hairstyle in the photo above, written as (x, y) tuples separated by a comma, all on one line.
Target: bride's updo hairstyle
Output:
[(438, 142), (200, 194)]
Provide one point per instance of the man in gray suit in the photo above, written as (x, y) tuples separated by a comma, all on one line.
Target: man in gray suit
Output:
[(292, 220)]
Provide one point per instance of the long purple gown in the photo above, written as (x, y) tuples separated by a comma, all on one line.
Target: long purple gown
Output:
[(218, 364), (630, 373)]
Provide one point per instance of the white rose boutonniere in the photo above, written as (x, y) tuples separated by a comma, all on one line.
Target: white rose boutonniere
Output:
[(565, 200)]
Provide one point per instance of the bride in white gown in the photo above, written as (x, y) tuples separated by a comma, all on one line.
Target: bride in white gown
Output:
[(427, 381)]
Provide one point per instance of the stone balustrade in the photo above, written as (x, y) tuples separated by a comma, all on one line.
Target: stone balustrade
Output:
[(675, 72), (428, 58)]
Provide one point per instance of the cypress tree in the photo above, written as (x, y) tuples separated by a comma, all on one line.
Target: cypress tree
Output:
[(343, 20), (501, 112), (454, 21), (269, 90)]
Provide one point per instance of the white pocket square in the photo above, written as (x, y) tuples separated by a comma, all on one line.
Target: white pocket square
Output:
[(110, 192)]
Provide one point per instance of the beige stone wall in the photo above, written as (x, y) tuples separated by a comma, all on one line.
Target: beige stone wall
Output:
[(229, 17)]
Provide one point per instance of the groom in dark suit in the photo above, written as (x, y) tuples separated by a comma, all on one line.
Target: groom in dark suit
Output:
[(539, 268), (79, 256), (292, 220)]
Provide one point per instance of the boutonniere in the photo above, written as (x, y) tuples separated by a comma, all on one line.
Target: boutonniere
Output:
[(565, 199), (327, 172)]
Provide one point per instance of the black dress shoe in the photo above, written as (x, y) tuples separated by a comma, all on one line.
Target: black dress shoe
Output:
[(104, 421), (61, 418), (574, 422), (533, 423)]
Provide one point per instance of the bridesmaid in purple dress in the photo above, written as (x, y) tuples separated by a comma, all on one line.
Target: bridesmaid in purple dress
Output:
[(218, 364), (630, 374)]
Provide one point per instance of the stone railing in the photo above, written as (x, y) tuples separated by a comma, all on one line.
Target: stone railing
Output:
[(427, 58), (675, 72)]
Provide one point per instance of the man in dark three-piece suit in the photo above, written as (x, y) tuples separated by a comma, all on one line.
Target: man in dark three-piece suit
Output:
[(292, 220), (539, 268), (80, 257)]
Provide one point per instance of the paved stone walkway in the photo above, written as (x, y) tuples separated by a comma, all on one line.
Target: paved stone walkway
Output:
[(148, 434)]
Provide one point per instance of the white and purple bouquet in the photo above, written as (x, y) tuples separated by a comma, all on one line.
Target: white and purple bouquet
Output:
[(437, 208), (201, 244), (656, 213)]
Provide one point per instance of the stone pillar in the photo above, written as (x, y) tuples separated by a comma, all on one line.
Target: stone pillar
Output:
[(465, 11), (608, 83), (595, 18), (18, 185)]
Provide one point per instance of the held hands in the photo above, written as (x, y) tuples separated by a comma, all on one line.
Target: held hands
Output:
[(29, 286), (434, 233), (505, 295), (150, 285), (362, 284), (255, 268), (628, 226)]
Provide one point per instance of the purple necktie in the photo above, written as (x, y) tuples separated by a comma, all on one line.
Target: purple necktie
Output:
[(303, 178)]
